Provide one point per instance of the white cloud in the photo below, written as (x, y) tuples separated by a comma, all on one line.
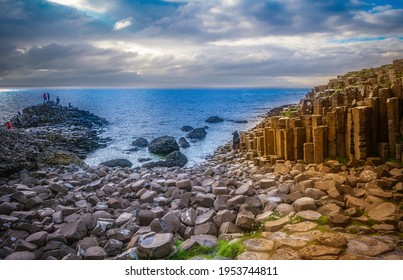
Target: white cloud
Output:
[(123, 23), (88, 5)]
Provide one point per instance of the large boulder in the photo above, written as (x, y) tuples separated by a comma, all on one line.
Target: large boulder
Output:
[(175, 158), (214, 119), (140, 142), (117, 163), (163, 145), (197, 133)]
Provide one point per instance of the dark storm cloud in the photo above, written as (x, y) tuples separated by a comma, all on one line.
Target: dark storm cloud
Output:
[(185, 43)]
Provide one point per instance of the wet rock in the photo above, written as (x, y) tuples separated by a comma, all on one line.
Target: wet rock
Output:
[(214, 119), (163, 145), (186, 128), (197, 134), (117, 163), (183, 143), (6, 208), (140, 142), (58, 188), (156, 246)]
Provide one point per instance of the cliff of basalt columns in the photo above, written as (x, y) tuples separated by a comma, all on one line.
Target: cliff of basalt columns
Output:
[(355, 117)]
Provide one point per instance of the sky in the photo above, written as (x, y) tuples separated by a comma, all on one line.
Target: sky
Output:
[(194, 43)]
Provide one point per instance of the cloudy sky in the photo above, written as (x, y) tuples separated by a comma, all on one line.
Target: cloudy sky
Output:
[(194, 43)]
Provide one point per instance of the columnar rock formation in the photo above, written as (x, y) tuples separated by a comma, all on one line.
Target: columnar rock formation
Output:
[(356, 116)]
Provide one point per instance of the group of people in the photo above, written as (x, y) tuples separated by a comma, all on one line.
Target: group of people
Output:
[(46, 98)]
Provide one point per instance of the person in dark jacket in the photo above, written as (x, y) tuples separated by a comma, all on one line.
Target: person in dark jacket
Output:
[(235, 140)]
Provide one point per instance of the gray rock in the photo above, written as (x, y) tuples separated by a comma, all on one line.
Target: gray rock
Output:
[(186, 128), (156, 246), (173, 221), (95, 253), (22, 255), (117, 163), (163, 145), (113, 247), (188, 217), (304, 203), (183, 143), (214, 119), (246, 220), (74, 230), (140, 142), (120, 234), (206, 228), (197, 134), (146, 217), (228, 228)]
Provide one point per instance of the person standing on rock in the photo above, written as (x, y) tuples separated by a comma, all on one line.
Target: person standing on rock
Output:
[(57, 100), (9, 125), (48, 96), (235, 140), (44, 97)]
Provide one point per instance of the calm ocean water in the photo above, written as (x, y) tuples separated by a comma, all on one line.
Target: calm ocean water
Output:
[(150, 113)]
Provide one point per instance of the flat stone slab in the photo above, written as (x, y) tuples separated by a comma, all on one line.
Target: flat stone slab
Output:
[(309, 215), (259, 244), (249, 255), (383, 212), (301, 227), (315, 251), (368, 246), (285, 254), (272, 226)]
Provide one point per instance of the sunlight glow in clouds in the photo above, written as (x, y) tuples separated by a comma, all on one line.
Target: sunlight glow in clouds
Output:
[(123, 23), (82, 5)]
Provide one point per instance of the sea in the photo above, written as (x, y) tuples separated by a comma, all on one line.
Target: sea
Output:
[(151, 113)]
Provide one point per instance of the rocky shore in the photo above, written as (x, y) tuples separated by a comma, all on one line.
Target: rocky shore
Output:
[(49, 134), (245, 204)]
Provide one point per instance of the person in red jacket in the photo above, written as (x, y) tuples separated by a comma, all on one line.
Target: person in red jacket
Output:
[(9, 125)]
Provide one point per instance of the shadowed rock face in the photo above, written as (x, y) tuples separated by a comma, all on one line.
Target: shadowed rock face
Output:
[(163, 145), (173, 159), (197, 133), (140, 142), (117, 163), (214, 119)]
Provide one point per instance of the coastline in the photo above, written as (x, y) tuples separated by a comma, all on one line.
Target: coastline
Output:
[(277, 209)]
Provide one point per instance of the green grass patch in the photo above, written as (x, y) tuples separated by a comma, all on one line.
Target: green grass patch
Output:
[(323, 221), (342, 160), (296, 220), (223, 250)]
